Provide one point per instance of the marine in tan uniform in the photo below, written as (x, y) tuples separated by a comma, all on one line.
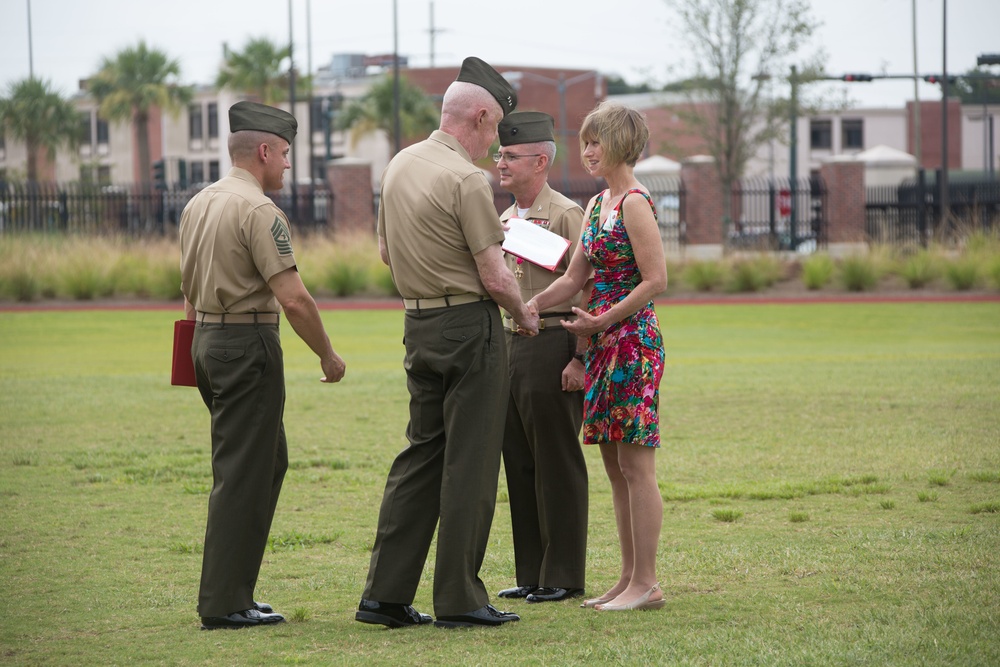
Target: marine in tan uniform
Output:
[(544, 464), (238, 273), (440, 235)]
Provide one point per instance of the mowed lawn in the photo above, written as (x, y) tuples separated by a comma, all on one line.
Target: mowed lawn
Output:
[(830, 473)]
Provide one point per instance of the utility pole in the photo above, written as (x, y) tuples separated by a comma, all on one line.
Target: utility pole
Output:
[(309, 71), (291, 91), (945, 194), (916, 96), (31, 54), (395, 77)]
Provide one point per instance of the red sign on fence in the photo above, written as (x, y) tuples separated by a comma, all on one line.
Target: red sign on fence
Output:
[(784, 203)]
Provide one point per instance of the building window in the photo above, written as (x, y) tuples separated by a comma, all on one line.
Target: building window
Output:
[(197, 171), (213, 170), (86, 174), (102, 131), (86, 138), (104, 174), (194, 121), (852, 133), (213, 120), (820, 134)]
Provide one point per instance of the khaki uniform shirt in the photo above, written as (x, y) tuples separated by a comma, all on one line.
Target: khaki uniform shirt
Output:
[(435, 212), (233, 240), (560, 215)]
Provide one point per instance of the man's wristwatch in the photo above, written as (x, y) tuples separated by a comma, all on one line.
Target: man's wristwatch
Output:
[(578, 356)]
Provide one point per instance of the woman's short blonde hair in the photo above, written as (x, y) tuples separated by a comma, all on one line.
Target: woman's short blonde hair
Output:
[(620, 130)]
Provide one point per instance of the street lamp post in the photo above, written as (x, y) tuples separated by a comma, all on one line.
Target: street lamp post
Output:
[(561, 84)]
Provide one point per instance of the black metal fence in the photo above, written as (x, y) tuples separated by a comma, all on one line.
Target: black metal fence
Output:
[(909, 213), (131, 210), (771, 214)]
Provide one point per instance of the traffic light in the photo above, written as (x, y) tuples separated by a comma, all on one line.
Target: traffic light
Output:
[(856, 77), (160, 175), (937, 78)]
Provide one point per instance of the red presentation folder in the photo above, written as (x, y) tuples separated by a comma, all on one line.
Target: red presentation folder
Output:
[(182, 367)]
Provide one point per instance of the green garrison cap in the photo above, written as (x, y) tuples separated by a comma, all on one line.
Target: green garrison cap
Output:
[(260, 117), (526, 127), (478, 72)]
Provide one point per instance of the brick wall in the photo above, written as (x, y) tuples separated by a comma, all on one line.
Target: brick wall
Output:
[(350, 182), (702, 208), (845, 202)]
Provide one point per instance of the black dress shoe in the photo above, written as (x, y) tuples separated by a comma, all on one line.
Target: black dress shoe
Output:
[(488, 615), (547, 594), (247, 618), (519, 592), (263, 607), (390, 614)]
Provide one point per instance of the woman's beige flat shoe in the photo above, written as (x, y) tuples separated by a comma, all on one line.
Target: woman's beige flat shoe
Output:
[(593, 603), (641, 603)]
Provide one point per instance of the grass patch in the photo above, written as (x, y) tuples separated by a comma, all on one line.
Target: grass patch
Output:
[(985, 508), (727, 515), (822, 417)]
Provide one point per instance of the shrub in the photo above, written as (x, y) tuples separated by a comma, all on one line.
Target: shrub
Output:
[(745, 277), (704, 276), (963, 273), (858, 274), (919, 269), (817, 271), (994, 272), (346, 278)]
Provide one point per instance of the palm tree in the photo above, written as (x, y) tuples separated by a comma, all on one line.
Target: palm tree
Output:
[(132, 83), (38, 115), (418, 115), (256, 71)]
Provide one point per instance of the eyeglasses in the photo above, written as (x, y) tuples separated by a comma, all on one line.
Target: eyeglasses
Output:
[(510, 157)]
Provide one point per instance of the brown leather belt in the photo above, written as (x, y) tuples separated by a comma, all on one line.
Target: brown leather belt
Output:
[(443, 301), (551, 321), (238, 318)]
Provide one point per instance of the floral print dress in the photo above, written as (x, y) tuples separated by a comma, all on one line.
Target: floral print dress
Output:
[(624, 362)]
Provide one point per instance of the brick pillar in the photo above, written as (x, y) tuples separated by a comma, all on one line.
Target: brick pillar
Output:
[(844, 178), (701, 213), (350, 181)]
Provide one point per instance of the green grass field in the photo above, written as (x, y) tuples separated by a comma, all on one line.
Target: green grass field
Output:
[(831, 477)]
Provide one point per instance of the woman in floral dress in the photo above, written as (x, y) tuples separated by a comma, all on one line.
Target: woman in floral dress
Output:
[(623, 253)]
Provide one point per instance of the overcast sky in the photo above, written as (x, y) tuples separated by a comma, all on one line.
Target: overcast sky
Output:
[(636, 39)]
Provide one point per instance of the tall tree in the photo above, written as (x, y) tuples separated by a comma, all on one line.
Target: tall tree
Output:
[(133, 82), (736, 47), (36, 114), (256, 71), (418, 116)]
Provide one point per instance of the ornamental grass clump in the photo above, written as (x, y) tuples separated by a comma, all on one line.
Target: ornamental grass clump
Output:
[(963, 273), (817, 271), (859, 273), (920, 269), (704, 276)]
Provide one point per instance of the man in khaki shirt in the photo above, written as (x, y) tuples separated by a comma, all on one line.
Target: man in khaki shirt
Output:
[(440, 235), (237, 272), (544, 463)]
